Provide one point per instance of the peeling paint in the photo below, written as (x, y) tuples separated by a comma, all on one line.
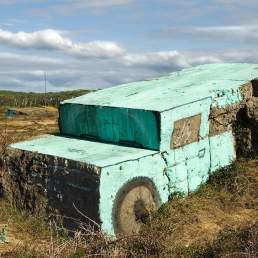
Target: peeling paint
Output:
[(55, 167)]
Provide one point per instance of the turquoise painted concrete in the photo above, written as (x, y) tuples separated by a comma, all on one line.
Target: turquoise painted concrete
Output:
[(126, 114), (175, 89), (178, 182), (117, 165), (222, 150), (115, 177), (223, 97), (194, 168), (143, 115), (191, 161), (168, 118), (94, 153), (139, 128)]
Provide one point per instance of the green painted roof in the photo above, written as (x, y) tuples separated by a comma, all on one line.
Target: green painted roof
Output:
[(173, 90), (94, 153)]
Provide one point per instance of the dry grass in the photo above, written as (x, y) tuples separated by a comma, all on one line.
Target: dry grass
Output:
[(20, 128), (219, 220)]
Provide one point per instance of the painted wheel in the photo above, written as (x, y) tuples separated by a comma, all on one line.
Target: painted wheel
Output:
[(132, 204)]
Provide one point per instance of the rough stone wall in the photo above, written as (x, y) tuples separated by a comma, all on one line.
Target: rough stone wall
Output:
[(15, 183), (242, 118), (45, 184)]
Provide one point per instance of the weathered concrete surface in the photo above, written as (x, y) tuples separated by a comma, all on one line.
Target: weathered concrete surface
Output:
[(242, 118), (219, 81), (67, 171), (50, 184), (130, 114), (166, 136), (115, 178), (132, 127), (97, 154)]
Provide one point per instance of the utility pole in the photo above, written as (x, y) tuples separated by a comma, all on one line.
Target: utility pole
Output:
[(45, 87), (45, 82)]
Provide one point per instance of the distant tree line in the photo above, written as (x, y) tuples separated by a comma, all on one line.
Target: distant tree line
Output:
[(31, 99)]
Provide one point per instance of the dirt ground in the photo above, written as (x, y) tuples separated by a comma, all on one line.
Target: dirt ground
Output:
[(20, 128)]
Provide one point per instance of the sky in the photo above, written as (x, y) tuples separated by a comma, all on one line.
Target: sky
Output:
[(95, 44)]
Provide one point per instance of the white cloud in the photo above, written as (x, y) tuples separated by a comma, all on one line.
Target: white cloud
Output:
[(77, 3), (236, 2), (41, 40), (168, 61), (247, 34), (7, 24), (99, 3), (96, 49), (52, 40), (8, 2), (154, 59), (72, 7), (14, 20), (19, 1), (235, 34), (26, 73)]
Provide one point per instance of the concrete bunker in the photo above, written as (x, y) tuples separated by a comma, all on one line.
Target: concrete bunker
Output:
[(126, 149)]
